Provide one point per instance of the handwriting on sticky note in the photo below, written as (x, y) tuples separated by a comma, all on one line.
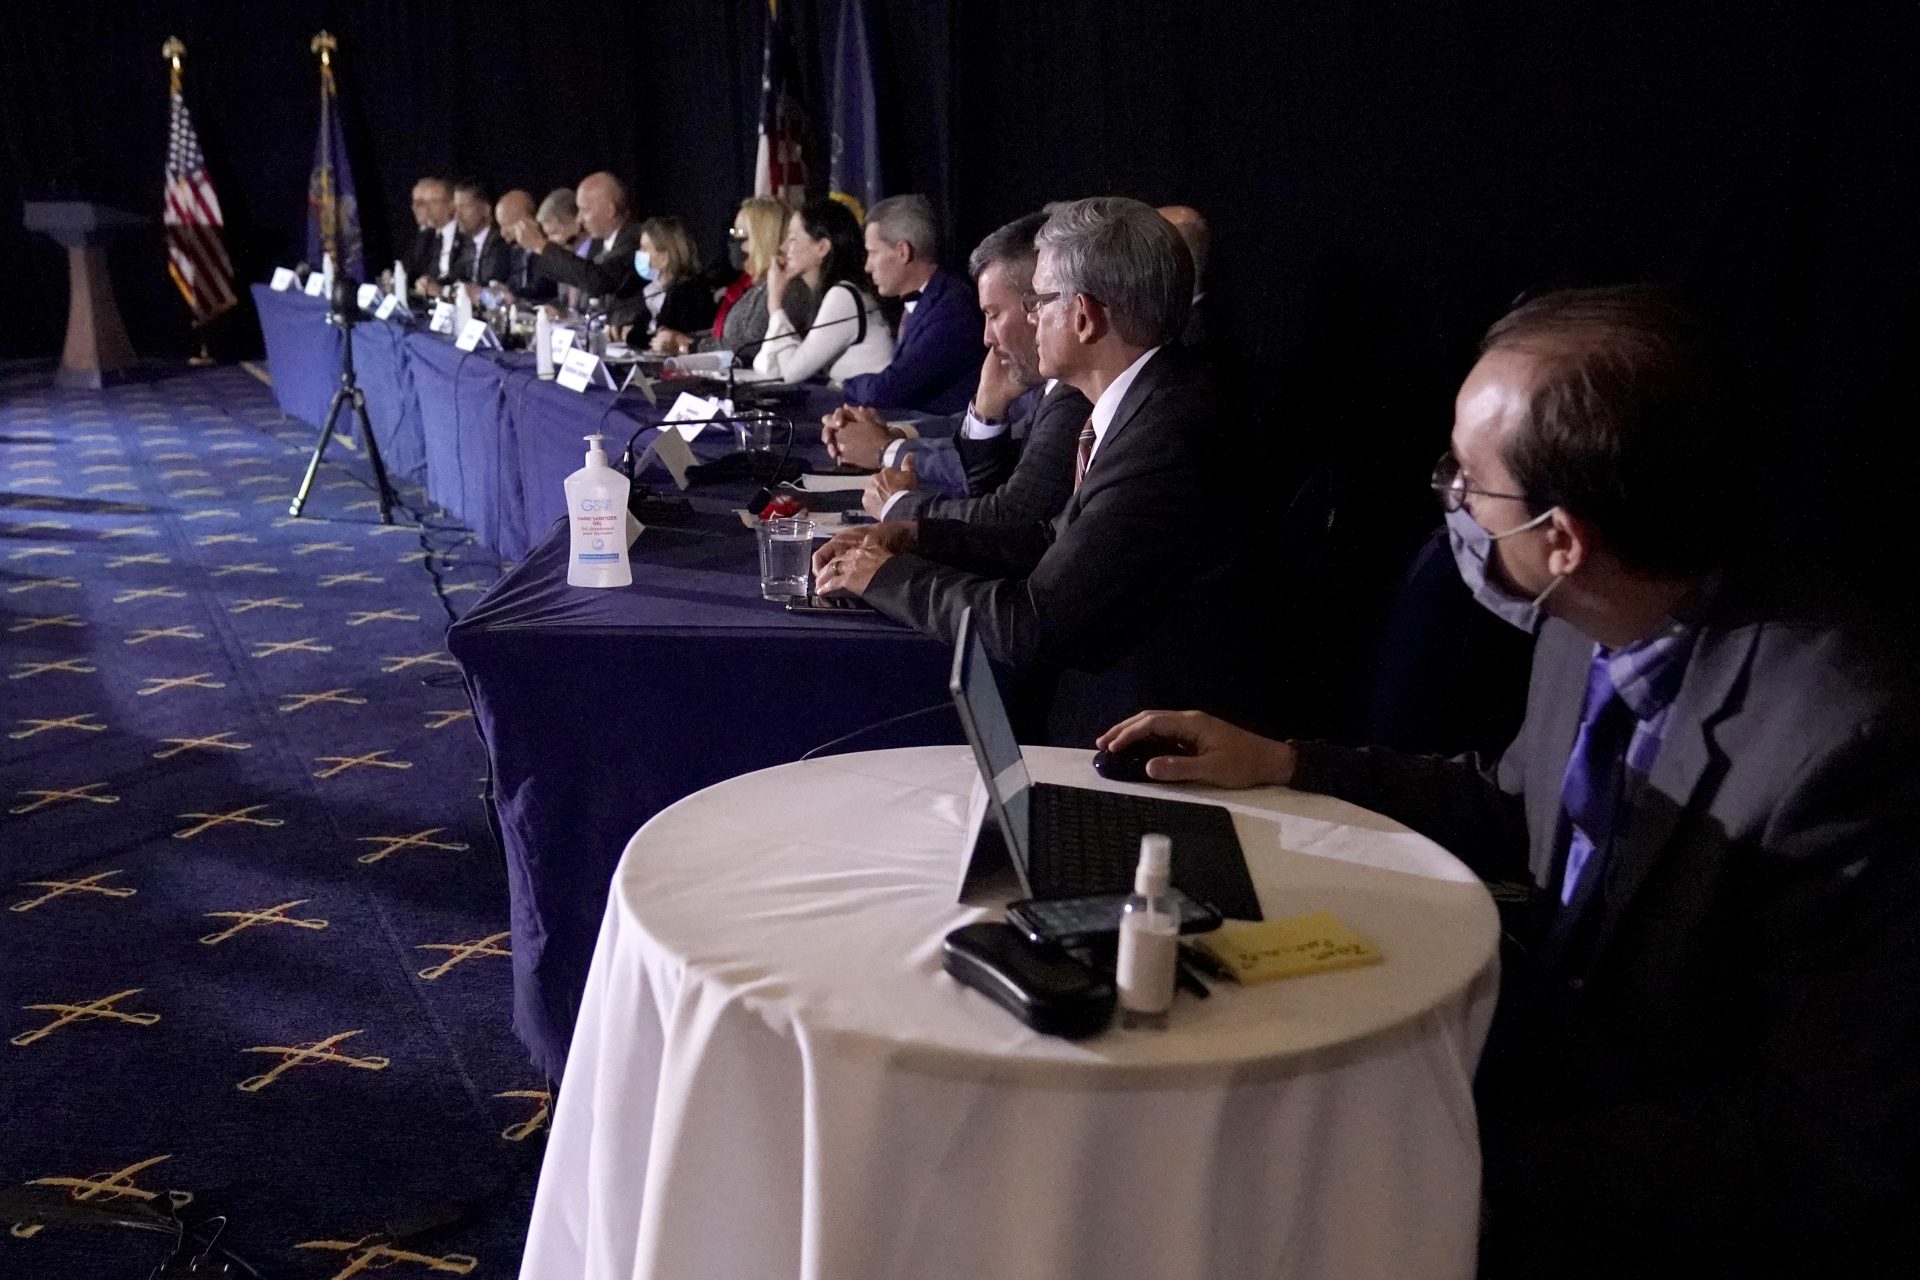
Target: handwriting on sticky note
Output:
[(1287, 948)]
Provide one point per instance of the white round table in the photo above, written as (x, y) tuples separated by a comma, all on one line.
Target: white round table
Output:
[(772, 1076)]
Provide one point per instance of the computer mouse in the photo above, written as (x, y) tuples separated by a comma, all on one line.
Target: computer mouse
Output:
[(1129, 764)]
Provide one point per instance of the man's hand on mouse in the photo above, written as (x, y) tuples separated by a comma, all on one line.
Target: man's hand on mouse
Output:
[(1219, 754)]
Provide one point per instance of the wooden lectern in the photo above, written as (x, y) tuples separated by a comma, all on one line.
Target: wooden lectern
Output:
[(97, 346)]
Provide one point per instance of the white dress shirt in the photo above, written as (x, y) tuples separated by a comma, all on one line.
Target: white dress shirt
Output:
[(1109, 402)]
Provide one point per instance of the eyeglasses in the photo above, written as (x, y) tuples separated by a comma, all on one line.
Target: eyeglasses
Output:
[(736, 233), (1450, 486), (1031, 302)]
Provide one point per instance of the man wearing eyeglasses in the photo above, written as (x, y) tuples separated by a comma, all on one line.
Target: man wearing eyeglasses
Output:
[(1706, 1059), (1134, 585)]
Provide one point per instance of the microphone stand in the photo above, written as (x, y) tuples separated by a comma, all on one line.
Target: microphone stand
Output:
[(343, 312)]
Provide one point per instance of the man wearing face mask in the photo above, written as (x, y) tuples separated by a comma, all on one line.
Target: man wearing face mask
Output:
[(1704, 1058)]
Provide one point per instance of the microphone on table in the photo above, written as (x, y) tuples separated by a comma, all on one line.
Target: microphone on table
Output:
[(631, 467), (754, 346)]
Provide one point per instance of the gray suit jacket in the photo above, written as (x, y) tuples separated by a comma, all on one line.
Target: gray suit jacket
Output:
[(1733, 1058)]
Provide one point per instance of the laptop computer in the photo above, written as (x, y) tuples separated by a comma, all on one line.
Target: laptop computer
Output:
[(1066, 842)]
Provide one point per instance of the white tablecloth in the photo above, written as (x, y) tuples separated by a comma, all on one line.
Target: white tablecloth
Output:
[(772, 1077)]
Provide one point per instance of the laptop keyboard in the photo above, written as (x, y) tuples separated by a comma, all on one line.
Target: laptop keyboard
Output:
[(1087, 841)]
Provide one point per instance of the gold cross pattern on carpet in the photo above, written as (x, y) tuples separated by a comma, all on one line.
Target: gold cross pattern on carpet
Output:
[(335, 579), (361, 618), (40, 726), (115, 1185), (461, 952), (213, 742), (264, 602), (369, 1255), (301, 701), (312, 1054), (212, 513), (309, 644), (244, 920), (239, 817), (150, 557), (144, 634), (394, 844), (160, 684), (527, 1128), (252, 566), (61, 888), (437, 658), (102, 1009), (47, 798), (72, 666), (371, 760), (37, 584), (150, 593)]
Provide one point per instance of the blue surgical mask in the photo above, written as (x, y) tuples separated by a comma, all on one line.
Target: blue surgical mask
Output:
[(644, 265), (1473, 556)]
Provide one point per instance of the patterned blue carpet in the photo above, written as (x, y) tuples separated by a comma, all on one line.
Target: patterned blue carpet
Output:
[(252, 960)]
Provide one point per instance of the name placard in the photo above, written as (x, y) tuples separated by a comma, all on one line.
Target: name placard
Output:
[(442, 321), (672, 450), (369, 295), (476, 335), (562, 342), (284, 279), (582, 369), (388, 306), (316, 285), (689, 409)]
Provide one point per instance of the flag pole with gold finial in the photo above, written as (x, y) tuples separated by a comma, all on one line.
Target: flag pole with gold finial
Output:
[(173, 50), (324, 44)]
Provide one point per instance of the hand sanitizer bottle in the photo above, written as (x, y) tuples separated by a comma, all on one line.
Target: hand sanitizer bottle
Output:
[(597, 511), (462, 309), (1149, 939), (543, 343)]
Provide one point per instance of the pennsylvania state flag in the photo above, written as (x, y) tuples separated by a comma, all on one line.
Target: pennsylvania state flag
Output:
[(333, 215), (854, 176)]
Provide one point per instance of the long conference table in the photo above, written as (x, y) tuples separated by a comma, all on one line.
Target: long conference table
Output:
[(598, 708)]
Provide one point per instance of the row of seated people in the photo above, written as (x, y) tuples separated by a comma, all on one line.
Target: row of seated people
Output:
[(804, 296), (1709, 1017), (1710, 1009)]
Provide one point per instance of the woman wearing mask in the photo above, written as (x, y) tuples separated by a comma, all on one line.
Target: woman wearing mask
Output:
[(848, 336), (668, 260)]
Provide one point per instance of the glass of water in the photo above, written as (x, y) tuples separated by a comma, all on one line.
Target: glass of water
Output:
[(754, 432), (786, 557)]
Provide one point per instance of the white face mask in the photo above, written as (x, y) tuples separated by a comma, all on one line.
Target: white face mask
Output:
[(1473, 554)]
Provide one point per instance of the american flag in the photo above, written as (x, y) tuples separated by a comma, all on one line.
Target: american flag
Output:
[(780, 165), (196, 259)]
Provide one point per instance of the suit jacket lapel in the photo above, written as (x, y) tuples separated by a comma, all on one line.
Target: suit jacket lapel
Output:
[(1571, 654), (1686, 763), (1137, 395)]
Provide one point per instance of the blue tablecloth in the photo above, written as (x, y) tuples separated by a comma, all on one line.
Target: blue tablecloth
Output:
[(599, 708)]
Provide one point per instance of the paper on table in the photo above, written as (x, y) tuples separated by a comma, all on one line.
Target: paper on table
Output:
[(1287, 948), (830, 484)]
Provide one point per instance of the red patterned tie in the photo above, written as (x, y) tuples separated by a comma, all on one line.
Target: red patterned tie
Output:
[(1085, 454)]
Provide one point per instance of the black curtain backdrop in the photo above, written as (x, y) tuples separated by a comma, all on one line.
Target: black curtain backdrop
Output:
[(1383, 177)]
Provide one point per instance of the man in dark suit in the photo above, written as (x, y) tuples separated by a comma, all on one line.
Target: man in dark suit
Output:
[(1706, 1058), (480, 253), (607, 271), (936, 351), (431, 252), (1130, 587), (524, 280), (1014, 447)]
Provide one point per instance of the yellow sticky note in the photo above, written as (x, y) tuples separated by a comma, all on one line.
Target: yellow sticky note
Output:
[(1287, 948)]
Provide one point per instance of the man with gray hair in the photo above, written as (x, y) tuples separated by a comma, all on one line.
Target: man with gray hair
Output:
[(935, 354), (1131, 592)]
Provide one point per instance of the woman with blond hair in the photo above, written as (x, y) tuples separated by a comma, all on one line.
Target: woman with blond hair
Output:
[(752, 241)]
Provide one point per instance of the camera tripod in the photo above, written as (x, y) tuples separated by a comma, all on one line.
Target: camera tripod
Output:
[(341, 313)]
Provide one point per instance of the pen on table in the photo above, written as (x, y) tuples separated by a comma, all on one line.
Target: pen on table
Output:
[(1205, 963), (1184, 975)]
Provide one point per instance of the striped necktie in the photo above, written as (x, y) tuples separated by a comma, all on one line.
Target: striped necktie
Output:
[(1084, 455)]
